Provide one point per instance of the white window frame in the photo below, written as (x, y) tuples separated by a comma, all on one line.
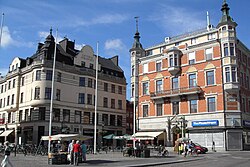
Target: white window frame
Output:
[(145, 68), (161, 87), (208, 52), (190, 106), (211, 96), (143, 110), (147, 93), (230, 74), (158, 62), (191, 57), (156, 109)]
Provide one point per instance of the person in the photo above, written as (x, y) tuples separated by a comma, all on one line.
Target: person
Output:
[(84, 151), (180, 148), (77, 151), (70, 152), (6, 160)]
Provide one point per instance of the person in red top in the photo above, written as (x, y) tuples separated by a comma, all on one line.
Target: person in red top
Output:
[(77, 151)]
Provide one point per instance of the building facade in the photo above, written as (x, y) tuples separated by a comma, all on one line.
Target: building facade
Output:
[(25, 94), (195, 85)]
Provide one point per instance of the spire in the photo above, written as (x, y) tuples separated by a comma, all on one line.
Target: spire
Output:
[(226, 18), (50, 31), (137, 44), (50, 37)]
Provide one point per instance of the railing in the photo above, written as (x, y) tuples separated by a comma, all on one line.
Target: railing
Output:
[(176, 92)]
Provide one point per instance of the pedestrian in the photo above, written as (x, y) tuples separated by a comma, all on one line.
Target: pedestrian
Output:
[(6, 161), (70, 152), (84, 151), (77, 151)]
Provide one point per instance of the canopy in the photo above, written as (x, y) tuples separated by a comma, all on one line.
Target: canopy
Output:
[(6, 133), (124, 137), (67, 137), (110, 136), (147, 135)]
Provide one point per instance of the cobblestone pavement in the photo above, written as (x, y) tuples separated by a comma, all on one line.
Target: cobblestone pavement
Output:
[(115, 159)]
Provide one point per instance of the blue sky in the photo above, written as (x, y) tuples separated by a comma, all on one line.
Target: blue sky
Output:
[(111, 22)]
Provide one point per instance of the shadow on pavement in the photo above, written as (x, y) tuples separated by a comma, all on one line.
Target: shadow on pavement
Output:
[(98, 162)]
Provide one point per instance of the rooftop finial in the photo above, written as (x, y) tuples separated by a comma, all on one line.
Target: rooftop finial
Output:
[(50, 31), (224, 1), (136, 19)]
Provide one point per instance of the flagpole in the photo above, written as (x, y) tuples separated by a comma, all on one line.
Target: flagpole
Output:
[(96, 85), (1, 32), (52, 94)]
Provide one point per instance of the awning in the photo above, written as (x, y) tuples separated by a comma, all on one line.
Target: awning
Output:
[(67, 137), (147, 135), (6, 133)]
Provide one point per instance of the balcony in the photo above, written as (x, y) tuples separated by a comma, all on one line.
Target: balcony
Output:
[(231, 87), (175, 92), (174, 70)]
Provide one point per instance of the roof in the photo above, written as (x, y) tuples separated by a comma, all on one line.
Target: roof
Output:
[(107, 63)]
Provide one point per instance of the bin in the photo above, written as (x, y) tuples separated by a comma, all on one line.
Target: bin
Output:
[(146, 153)]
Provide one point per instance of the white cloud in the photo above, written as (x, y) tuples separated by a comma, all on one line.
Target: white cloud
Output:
[(79, 46), (6, 39), (109, 18), (114, 44), (3, 71), (177, 20)]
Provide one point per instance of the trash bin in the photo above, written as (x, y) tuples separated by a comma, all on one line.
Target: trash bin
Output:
[(146, 153)]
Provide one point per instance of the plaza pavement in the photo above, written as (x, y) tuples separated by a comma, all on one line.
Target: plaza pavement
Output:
[(115, 159)]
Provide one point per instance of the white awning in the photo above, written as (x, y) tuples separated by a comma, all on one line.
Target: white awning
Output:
[(6, 133), (147, 135)]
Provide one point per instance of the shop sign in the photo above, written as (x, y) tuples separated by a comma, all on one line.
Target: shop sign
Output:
[(205, 123), (246, 123)]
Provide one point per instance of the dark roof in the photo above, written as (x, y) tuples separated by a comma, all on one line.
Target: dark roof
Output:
[(107, 63)]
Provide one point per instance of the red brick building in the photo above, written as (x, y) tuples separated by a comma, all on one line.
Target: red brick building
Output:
[(194, 85)]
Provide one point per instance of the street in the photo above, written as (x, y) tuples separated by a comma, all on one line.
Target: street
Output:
[(215, 159)]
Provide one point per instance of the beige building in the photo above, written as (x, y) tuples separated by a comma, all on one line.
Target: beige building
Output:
[(25, 94)]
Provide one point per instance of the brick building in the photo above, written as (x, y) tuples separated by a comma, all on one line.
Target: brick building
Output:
[(194, 85)]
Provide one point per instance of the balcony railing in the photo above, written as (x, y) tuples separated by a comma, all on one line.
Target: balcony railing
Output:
[(176, 92)]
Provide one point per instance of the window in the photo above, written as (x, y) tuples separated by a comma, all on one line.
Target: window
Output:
[(66, 115), (38, 75), (56, 114), (59, 77), (119, 120), (90, 82), (49, 75), (83, 63), (86, 118), (211, 36), (211, 104), (120, 89), (112, 120), (159, 110), (9, 86), (230, 74), (226, 49), (149, 52), (231, 49), (78, 116), (105, 87), (41, 113), (192, 80), (132, 90), (81, 98), (133, 70), (112, 103), (8, 100), (22, 81), (210, 77), (58, 94), (145, 110), (105, 102), (113, 88), (91, 66), (82, 81), (175, 83), (21, 97), (191, 58), (37, 93), (120, 104), (20, 116), (175, 108), (145, 68), (158, 66), (173, 60), (145, 88), (159, 86), (12, 99), (2, 89), (1, 102), (209, 53), (193, 106), (193, 41), (89, 99), (14, 83), (47, 93), (105, 119)]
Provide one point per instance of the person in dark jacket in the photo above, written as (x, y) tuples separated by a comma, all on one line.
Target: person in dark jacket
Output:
[(6, 161)]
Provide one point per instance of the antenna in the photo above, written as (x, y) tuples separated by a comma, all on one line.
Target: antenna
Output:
[(136, 19)]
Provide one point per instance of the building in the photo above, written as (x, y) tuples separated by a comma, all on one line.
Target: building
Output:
[(130, 117), (194, 85), (25, 94)]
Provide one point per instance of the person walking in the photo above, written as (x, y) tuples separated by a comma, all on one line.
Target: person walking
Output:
[(70, 152), (6, 161), (84, 151), (77, 151)]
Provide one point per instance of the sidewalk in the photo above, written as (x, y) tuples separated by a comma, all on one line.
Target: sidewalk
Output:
[(103, 159)]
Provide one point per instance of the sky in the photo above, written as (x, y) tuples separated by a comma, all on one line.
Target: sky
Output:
[(109, 22)]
